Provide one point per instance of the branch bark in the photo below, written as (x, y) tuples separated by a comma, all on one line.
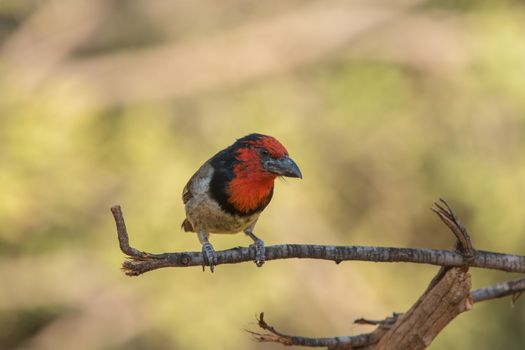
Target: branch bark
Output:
[(430, 314), (512, 288)]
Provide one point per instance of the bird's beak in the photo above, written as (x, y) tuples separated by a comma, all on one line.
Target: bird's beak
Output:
[(284, 166)]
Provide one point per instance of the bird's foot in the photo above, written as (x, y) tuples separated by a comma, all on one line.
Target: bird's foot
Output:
[(210, 258), (260, 256)]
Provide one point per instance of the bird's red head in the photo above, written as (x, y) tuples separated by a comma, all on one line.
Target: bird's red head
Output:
[(268, 144), (259, 160)]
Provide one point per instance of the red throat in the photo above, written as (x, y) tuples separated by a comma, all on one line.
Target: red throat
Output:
[(252, 187)]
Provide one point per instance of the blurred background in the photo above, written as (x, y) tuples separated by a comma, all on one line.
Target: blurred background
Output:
[(385, 105)]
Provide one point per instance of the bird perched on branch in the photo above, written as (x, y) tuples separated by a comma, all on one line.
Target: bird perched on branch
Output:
[(229, 191)]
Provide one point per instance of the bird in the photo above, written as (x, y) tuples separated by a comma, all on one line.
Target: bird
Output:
[(231, 189)]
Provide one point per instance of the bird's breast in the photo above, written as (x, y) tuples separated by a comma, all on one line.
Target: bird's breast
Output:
[(248, 196)]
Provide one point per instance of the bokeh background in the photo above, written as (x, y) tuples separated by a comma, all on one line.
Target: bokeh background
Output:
[(385, 105)]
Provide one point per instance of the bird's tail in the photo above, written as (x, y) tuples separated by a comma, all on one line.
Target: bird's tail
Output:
[(187, 226)]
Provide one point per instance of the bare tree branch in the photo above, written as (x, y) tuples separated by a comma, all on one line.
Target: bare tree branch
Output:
[(447, 295), (385, 322), (140, 262), (500, 290), (361, 341), (332, 343), (445, 213), (434, 310), (463, 242)]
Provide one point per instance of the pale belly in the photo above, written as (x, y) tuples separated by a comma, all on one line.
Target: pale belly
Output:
[(207, 216)]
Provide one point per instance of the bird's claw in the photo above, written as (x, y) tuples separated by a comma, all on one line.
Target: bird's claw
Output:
[(210, 258), (259, 252)]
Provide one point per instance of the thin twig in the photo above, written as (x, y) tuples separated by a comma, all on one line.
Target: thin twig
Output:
[(512, 288), (463, 241), (384, 323), (123, 237), (275, 336), (450, 219)]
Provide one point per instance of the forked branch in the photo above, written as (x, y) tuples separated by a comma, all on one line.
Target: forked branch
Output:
[(447, 295)]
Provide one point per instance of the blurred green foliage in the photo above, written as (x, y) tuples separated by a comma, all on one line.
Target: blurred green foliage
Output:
[(377, 142)]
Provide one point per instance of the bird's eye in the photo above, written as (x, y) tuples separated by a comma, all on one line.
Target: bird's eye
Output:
[(264, 152)]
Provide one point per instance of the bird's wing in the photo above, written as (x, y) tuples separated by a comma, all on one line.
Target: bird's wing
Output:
[(198, 184), (186, 193)]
